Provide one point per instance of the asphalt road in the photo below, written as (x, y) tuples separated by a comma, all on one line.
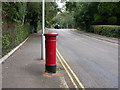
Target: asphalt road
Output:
[(94, 62)]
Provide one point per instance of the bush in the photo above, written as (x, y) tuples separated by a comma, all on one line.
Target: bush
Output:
[(98, 18), (6, 44), (11, 40), (106, 30), (39, 27), (112, 20), (22, 32)]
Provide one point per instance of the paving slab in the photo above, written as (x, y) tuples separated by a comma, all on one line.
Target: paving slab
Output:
[(25, 69)]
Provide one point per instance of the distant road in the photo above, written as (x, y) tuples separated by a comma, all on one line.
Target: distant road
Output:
[(94, 62)]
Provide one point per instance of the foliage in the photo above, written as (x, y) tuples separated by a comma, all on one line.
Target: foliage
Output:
[(107, 30), (14, 11), (26, 18), (94, 13), (107, 8), (82, 13), (64, 19), (98, 19), (6, 42), (112, 20), (39, 27), (34, 14), (9, 41), (22, 32), (99, 14), (22, 12), (51, 10)]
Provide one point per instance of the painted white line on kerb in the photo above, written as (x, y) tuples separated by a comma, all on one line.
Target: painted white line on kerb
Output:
[(11, 52), (0, 76)]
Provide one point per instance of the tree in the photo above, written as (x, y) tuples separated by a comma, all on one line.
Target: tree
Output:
[(51, 9), (86, 14), (34, 14), (14, 11), (65, 20)]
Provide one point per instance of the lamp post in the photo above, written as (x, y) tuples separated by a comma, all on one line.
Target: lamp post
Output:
[(43, 29)]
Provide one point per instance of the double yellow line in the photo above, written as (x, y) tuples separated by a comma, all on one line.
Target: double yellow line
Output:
[(68, 70)]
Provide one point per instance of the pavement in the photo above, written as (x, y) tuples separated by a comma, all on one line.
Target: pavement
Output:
[(93, 60), (25, 69)]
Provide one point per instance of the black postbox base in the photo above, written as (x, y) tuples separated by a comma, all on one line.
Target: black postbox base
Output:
[(50, 68)]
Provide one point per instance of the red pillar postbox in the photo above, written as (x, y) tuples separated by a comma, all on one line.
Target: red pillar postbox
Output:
[(50, 45)]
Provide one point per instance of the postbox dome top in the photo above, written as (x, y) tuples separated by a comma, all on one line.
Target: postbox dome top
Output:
[(51, 34)]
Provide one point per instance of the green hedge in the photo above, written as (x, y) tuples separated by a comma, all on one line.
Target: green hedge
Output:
[(39, 27), (6, 43), (106, 30), (22, 32), (10, 41)]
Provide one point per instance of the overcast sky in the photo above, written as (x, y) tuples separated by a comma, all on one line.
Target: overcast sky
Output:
[(60, 4)]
